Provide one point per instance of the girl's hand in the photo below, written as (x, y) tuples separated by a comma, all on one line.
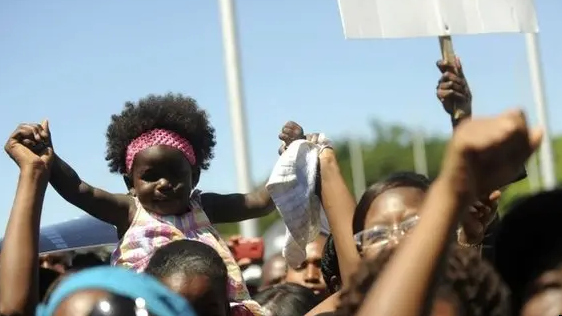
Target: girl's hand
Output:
[(480, 216), (290, 132), (30, 146), (452, 88)]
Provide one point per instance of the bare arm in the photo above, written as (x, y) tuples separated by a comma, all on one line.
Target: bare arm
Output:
[(231, 208), (19, 291), (110, 208), (339, 205)]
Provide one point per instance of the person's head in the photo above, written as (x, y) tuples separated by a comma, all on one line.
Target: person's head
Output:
[(287, 300), (112, 291), (273, 271), (59, 262), (160, 145), (330, 266), (528, 253), (388, 210), (308, 273), (469, 286), (195, 271)]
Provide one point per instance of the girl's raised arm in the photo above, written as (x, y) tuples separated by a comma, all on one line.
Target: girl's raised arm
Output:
[(111, 208)]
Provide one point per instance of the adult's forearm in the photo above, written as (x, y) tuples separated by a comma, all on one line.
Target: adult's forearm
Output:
[(19, 258)]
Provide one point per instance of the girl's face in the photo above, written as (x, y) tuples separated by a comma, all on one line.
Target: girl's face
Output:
[(390, 217), (162, 180)]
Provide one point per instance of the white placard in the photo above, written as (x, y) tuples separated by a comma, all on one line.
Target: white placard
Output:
[(363, 19)]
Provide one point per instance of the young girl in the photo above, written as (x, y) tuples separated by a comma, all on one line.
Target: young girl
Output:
[(159, 145)]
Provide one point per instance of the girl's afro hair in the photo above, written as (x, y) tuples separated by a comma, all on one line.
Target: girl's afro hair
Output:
[(173, 112)]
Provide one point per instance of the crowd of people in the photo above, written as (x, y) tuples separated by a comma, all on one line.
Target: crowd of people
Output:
[(410, 246)]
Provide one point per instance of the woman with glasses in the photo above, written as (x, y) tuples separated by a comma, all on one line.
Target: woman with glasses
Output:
[(387, 211)]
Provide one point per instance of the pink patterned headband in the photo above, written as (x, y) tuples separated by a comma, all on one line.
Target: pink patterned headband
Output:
[(157, 137)]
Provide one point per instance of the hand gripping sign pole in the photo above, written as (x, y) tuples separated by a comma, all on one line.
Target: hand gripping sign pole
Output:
[(237, 116), (371, 19), (448, 55)]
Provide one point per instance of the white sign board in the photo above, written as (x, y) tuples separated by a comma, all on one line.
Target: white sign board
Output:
[(364, 19)]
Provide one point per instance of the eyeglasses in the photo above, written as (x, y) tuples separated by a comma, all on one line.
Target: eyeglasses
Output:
[(380, 235)]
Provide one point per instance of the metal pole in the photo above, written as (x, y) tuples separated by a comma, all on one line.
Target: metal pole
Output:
[(418, 146), (546, 159), (237, 115), (357, 167)]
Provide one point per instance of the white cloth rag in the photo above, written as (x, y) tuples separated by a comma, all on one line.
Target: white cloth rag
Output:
[(292, 188)]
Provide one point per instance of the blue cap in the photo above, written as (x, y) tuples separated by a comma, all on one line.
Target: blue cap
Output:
[(159, 299)]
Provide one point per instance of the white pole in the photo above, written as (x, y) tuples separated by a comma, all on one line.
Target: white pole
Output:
[(237, 115), (535, 69), (418, 146), (357, 167)]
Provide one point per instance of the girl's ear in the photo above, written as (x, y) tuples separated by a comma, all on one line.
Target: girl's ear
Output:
[(129, 184)]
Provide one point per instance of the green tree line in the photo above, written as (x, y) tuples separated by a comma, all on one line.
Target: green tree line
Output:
[(391, 150)]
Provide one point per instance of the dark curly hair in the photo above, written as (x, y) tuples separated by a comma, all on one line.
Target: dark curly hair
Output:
[(472, 281), (287, 299), (173, 112), (190, 258), (394, 180)]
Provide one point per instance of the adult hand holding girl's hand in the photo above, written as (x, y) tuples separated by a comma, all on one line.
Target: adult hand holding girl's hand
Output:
[(30, 146), (290, 132)]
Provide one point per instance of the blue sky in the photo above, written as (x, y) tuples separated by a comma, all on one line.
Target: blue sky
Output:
[(77, 62)]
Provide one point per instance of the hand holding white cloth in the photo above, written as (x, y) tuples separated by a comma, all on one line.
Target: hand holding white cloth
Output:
[(292, 188)]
